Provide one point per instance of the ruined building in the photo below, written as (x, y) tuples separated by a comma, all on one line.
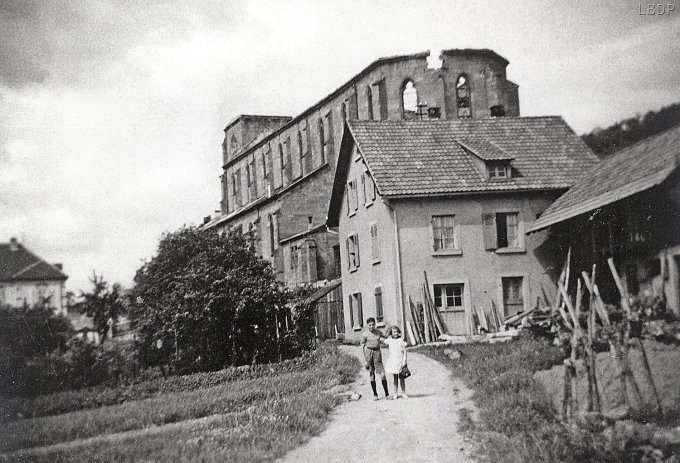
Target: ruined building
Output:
[(278, 171)]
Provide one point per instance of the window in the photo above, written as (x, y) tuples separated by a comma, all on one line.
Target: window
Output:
[(329, 137), (513, 299), (322, 142), (375, 243), (409, 100), (497, 111), (498, 170), (367, 188), (273, 232), (294, 264), (252, 184), (352, 199), (502, 230), (444, 233), (234, 145), (305, 154), (449, 298), (237, 187), (343, 111), (378, 304), (369, 102), (300, 152), (353, 252), (282, 161), (356, 312), (382, 98), (463, 96)]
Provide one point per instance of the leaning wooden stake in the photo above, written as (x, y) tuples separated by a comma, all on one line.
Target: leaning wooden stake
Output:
[(636, 340)]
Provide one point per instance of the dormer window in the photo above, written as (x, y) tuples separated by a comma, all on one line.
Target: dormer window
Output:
[(498, 170)]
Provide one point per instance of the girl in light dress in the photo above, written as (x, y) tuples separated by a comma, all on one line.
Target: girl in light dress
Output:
[(396, 360)]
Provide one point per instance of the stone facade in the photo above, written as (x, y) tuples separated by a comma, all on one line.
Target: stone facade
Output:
[(278, 171)]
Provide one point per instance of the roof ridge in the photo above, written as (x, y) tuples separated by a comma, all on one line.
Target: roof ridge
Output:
[(27, 268)]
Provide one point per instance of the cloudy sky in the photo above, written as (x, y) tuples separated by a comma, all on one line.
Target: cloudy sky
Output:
[(111, 112)]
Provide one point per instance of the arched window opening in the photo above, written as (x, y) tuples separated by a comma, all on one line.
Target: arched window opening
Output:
[(369, 102), (463, 96), (322, 142), (409, 100), (234, 144), (282, 160), (343, 111), (300, 153)]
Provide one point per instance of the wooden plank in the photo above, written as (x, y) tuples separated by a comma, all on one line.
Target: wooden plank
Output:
[(619, 285), (565, 298), (436, 317), (426, 317), (411, 335), (415, 316)]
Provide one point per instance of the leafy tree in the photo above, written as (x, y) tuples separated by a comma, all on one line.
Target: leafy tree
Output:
[(103, 304), (30, 336), (205, 301)]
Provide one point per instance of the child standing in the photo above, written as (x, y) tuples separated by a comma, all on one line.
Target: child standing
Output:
[(370, 345), (396, 360)]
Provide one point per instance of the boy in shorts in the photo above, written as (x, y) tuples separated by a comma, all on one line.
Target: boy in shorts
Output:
[(370, 345)]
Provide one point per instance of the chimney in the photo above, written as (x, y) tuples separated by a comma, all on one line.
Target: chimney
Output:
[(13, 244), (59, 265), (206, 219), (309, 223)]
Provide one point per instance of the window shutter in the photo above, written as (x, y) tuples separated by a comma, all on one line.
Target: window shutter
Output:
[(351, 310), (360, 310), (349, 256), (356, 249), (489, 225)]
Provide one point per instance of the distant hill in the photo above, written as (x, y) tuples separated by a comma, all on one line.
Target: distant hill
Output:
[(629, 131)]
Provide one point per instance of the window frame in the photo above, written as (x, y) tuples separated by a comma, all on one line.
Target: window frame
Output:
[(404, 111), (376, 254), (356, 303), (457, 249), (352, 197), (353, 257), (490, 231), (461, 99), (443, 298), (379, 306)]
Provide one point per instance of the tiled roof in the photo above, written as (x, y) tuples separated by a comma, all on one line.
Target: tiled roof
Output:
[(18, 263), (421, 158), (630, 171)]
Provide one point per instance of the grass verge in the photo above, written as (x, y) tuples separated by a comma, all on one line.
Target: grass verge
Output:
[(258, 419), (517, 421)]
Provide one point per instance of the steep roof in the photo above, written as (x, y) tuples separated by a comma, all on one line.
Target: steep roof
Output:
[(632, 170), (423, 158), (19, 264)]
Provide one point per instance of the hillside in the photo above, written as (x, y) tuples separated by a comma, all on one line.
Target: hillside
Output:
[(629, 131)]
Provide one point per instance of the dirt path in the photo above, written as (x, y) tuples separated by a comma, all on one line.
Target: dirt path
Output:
[(419, 429)]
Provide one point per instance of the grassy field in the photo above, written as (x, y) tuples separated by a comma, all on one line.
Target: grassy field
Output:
[(517, 421), (251, 419)]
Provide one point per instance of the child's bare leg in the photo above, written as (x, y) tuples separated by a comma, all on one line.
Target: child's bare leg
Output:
[(396, 382), (403, 385)]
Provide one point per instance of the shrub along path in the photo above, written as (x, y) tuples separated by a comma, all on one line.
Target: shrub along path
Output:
[(422, 428)]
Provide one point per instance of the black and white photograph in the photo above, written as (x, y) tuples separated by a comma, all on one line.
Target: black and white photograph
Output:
[(340, 231)]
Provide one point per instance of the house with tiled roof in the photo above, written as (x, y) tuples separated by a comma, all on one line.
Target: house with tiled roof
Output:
[(627, 208), (453, 199), (27, 279)]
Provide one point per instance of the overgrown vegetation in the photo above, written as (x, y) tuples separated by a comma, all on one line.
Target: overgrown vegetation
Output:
[(249, 419), (629, 131), (516, 421), (206, 301)]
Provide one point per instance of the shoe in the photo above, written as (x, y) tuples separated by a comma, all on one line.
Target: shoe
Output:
[(404, 396), (394, 397), (375, 397)]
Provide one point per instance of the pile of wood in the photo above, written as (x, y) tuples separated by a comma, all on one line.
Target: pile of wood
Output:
[(426, 324)]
